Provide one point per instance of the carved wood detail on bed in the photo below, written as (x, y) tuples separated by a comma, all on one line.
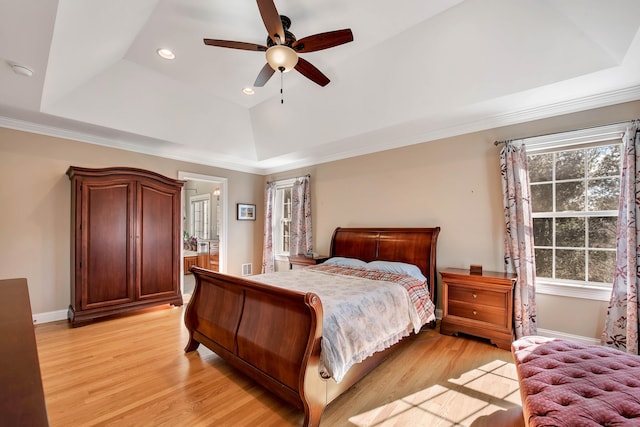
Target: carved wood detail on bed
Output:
[(273, 334)]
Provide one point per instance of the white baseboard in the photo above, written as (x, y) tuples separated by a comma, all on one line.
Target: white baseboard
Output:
[(51, 316), (552, 334), (564, 336)]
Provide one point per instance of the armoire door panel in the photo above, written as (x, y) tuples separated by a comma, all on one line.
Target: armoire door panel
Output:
[(156, 242), (107, 268)]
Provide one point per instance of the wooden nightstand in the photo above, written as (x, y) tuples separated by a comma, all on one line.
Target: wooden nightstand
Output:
[(299, 261), (478, 304)]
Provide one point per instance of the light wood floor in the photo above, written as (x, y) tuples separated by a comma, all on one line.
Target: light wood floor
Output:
[(132, 371)]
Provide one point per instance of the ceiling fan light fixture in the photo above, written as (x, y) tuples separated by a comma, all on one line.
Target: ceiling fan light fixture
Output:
[(280, 56)]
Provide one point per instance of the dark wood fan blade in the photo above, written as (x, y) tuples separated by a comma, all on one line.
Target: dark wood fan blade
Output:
[(264, 76), (235, 45), (312, 73), (271, 19), (323, 41)]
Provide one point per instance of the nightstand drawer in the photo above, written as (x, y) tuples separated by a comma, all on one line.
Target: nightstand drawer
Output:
[(479, 313), (477, 296)]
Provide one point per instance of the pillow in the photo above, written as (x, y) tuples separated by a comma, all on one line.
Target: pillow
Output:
[(397, 267), (346, 262)]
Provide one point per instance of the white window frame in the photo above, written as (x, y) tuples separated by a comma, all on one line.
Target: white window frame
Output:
[(206, 215), (582, 138), (277, 229)]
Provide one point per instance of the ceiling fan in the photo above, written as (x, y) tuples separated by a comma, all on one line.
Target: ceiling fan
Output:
[(282, 46)]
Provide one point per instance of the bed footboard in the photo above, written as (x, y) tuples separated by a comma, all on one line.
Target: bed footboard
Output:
[(270, 334)]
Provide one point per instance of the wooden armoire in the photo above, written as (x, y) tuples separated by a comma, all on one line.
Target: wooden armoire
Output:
[(125, 241)]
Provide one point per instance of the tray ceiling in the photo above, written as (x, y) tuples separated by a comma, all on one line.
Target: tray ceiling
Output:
[(416, 71)]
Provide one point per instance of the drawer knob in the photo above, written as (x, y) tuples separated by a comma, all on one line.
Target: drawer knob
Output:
[(474, 312), (474, 295)]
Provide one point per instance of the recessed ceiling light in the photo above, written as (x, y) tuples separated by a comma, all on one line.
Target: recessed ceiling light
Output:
[(166, 53), (248, 91)]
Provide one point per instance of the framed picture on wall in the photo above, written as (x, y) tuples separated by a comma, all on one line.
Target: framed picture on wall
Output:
[(246, 212)]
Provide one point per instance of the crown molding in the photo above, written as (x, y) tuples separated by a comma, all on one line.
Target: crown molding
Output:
[(490, 122), (184, 155), (446, 130), (590, 102)]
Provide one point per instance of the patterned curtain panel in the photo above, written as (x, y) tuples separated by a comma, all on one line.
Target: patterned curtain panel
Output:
[(268, 259), (519, 253), (301, 234), (621, 324)]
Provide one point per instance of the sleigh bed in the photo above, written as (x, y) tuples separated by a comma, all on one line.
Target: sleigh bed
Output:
[(274, 334)]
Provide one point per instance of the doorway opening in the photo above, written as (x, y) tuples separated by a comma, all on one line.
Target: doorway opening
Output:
[(204, 225)]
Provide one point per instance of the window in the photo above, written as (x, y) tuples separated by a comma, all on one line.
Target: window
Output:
[(282, 218), (200, 216), (574, 199)]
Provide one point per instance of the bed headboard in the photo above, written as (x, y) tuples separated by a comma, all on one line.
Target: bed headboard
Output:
[(411, 245)]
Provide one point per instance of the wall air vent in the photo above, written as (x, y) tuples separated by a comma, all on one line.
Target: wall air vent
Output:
[(247, 270)]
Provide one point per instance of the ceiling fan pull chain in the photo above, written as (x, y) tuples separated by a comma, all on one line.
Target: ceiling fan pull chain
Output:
[(281, 84)]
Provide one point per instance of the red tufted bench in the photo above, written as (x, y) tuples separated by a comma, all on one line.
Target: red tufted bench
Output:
[(565, 383)]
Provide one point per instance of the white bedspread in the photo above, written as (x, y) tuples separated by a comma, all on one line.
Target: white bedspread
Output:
[(361, 316)]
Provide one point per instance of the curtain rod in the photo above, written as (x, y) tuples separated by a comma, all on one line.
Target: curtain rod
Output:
[(496, 143), (286, 179)]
